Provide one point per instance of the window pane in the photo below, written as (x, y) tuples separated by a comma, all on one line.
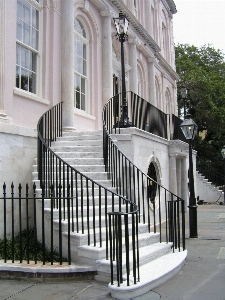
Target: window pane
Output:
[(24, 79), (17, 77), (34, 62), (82, 102), (84, 68), (34, 42), (32, 82), (82, 85), (26, 34), (19, 9), (77, 83), (18, 53), (19, 30), (77, 99), (26, 12)]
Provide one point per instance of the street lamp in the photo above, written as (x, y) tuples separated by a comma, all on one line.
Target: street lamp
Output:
[(121, 24), (223, 155), (189, 129)]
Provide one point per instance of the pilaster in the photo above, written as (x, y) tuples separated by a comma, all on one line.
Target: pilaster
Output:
[(173, 174), (67, 62), (107, 67), (151, 80), (133, 75)]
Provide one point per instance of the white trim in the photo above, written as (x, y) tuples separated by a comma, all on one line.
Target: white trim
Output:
[(83, 113), (29, 96)]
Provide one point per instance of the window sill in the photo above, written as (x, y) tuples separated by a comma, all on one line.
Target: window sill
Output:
[(83, 114), (30, 96)]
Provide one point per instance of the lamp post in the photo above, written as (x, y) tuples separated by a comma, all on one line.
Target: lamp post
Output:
[(121, 24), (189, 129), (223, 155)]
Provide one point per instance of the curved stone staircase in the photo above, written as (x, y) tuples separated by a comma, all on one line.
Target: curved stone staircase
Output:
[(83, 151)]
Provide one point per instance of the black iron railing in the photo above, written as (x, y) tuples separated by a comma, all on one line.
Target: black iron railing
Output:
[(20, 240), (206, 169), (177, 132), (69, 196), (80, 193), (133, 184)]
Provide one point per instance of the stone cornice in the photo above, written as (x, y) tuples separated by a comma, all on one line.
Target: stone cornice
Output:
[(166, 66), (170, 5), (136, 25)]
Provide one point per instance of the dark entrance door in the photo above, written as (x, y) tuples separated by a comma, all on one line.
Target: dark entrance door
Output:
[(152, 185)]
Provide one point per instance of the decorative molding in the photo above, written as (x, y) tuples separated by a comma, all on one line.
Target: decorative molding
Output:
[(119, 4), (107, 13), (30, 96), (86, 6)]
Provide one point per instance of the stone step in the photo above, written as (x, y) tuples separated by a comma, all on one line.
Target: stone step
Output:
[(110, 190), (79, 154), (162, 269), (75, 161), (86, 133), (96, 255), (60, 148), (147, 253), (78, 142)]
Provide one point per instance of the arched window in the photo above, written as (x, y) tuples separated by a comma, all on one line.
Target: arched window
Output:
[(80, 65), (157, 92)]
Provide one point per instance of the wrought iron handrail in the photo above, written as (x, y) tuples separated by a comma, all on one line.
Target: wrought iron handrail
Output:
[(132, 183), (204, 167), (59, 178)]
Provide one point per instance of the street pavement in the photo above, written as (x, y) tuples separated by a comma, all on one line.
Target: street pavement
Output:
[(201, 278)]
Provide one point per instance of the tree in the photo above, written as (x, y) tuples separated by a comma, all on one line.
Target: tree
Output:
[(202, 75)]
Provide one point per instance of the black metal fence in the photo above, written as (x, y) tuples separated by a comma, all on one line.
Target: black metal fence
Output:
[(134, 185), (24, 236), (73, 201), (177, 132), (88, 198), (206, 169)]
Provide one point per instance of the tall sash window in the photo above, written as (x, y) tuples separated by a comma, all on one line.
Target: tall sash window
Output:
[(80, 66), (27, 46)]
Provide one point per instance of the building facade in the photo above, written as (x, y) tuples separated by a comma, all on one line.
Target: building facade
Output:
[(67, 50)]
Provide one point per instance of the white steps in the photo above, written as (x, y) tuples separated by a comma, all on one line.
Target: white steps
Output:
[(84, 151)]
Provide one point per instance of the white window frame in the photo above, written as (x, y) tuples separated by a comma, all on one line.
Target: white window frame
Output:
[(37, 95)]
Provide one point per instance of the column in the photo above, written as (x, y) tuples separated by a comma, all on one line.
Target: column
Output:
[(2, 58), (184, 183), (173, 174), (107, 68), (67, 62), (151, 80), (133, 74), (179, 177)]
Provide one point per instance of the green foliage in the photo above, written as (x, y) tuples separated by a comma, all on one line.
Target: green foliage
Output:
[(202, 74), (29, 245)]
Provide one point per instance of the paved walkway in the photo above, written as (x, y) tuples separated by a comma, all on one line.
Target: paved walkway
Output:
[(202, 277)]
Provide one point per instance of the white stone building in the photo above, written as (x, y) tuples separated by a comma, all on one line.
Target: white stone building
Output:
[(54, 51), (67, 50)]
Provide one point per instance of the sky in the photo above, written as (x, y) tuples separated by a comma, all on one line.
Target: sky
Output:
[(199, 23)]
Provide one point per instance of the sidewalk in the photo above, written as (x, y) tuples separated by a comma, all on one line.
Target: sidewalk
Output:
[(202, 277)]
